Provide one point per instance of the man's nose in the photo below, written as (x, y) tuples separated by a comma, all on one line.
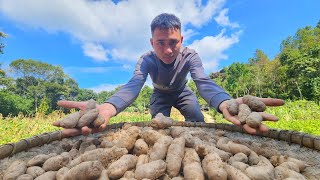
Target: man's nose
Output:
[(168, 51)]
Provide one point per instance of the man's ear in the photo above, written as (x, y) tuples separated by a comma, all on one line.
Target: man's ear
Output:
[(151, 42), (181, 39)]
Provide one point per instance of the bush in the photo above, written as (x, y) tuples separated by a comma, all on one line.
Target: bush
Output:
[(13, 104)]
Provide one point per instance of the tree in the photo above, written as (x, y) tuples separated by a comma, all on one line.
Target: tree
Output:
[(37, 80), (85, 95), (259, 62), (2, 35), (300, 55)]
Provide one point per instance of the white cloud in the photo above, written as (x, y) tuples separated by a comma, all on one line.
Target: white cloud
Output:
[(223, 20), (96, 51), (104, 87), (108, 30), (211, 48)]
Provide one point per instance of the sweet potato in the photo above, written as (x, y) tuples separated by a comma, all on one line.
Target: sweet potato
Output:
[(57, 162), (88, 118), (281, 172), (104, 155), (70, 121), (16, 169), (253, 158), (85, 171), (25, 177), (39, 159), (233, 106), (151, 136), (61, 173), (142, 159), (103, 175), (175, 155), (244, 111), (35, 171), (140, 147), (151, 170), (234, 173), (239, 165), (254, 120), (237, 148), (50, 175), (126, 138), (254, 103), (129, 175), (278, 160), (264, 170), (119, 167), (213, 167), (160, 148), (223, 154), (98, 121), (191, 165), (161, 122), (239, 157)]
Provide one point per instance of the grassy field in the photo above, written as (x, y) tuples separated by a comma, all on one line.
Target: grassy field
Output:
[(302, 116)]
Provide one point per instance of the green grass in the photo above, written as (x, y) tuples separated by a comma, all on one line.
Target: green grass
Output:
[(301, 116)]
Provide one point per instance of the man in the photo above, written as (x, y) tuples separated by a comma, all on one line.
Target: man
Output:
[(168, 66)]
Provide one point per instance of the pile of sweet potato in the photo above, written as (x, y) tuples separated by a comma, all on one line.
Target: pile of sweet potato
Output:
[(158, 152)]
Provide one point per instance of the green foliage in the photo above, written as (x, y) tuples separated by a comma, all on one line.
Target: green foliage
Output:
[(44, 107), (85, 95), (141, 104), (193, 87), (12, 104)]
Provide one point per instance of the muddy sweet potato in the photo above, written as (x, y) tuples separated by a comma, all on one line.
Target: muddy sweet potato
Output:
[(244, 111), (161, 122), (254, 103), (213, 167), (16, 169), (174, 157), (192, 165), (254, 120), (50, 175), (160, 148), (233, 106), (119, 167), (140, 147), (35, 171), (84, 171), (151, 170)]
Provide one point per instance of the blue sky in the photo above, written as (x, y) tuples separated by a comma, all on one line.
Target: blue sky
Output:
[(98, 42)]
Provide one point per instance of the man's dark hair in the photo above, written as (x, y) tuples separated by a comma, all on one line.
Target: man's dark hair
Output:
[(165, 21)]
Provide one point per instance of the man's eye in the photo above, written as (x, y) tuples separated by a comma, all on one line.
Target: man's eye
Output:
[(173, 43), (160, 43)]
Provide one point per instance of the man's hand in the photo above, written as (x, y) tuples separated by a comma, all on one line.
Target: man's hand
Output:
[(106, 110), (266, 117)]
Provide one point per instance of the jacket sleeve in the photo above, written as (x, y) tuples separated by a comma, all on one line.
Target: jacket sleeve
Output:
[(212, 93), (125, 96)]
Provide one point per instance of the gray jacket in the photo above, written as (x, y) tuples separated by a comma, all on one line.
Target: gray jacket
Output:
[(168, 80)]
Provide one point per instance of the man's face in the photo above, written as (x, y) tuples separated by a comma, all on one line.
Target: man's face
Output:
[(166, 43)]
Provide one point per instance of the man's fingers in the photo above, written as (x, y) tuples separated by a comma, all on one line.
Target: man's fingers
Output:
[(250, 130), (272, 101), (86, 131), (268, 117), (56, 123), (71, 132), (72, 104), (230, 118)]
